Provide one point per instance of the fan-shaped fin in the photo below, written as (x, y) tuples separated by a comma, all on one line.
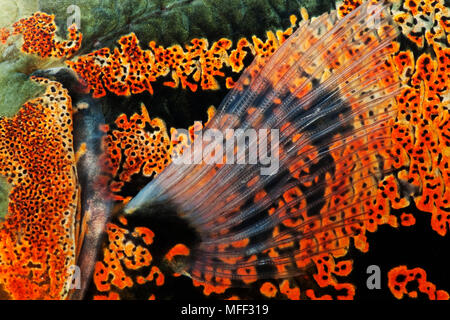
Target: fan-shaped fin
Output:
[(287, 168)]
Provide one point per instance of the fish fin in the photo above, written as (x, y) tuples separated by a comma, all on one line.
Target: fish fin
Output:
[(323, 102)]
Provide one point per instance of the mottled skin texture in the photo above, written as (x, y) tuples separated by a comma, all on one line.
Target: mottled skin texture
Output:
[(37, 239), (401, 280), (390, 194), (421, 160)]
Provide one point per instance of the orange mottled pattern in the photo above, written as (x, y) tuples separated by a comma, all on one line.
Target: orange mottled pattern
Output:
[(328, 275), (423, 20), (130, 69), (426, 76), (417, 158), (125, 254), (401, 280), (139, 145), (347, 6), (39, 36), (123, 157), (132, 146), (37, 241), (421, 132), (336, 240)]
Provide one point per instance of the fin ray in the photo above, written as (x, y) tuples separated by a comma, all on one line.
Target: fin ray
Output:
[(328, 89)]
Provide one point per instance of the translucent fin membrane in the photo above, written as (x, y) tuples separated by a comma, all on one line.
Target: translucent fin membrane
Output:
[(325, 102)]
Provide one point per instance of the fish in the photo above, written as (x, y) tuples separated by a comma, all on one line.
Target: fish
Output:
[(309, 128)]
